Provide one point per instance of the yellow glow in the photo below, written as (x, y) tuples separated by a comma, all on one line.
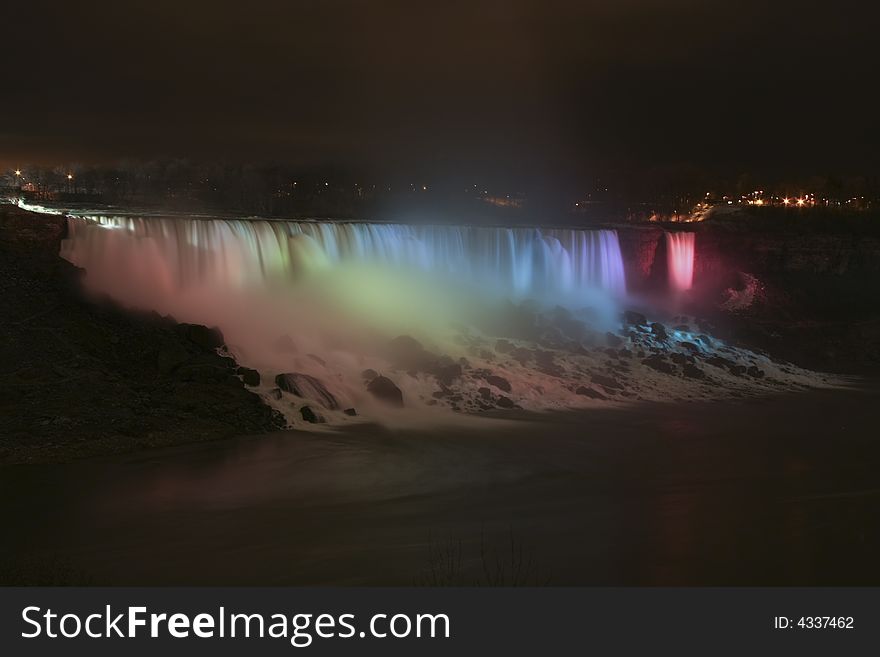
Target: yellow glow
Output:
[(18, 172), (759, 202), (70, 176), (786, 201)]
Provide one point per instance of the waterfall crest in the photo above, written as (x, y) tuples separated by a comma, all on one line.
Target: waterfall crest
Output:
[(551, 263)]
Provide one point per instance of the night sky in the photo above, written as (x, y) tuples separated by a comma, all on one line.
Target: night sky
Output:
[(502, 90)]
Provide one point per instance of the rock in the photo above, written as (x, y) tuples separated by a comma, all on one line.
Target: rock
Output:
[(690, 346), (275, 393), (485, 393), (307, 387), (677, 358), (657, 362), (589, 392), (720, 361), (693, 372), (659, 330), (755, 372), (446, 370), (285, 344), (613, 340), (499, 382), (310, 416), (738, 370), (607, 381), (408, 353), (350, 411), (249, 376), (635, 319), (207, 338), (504, 402), (171, 356), (369, 374), (625, 353), (385, 390), (503, 346)]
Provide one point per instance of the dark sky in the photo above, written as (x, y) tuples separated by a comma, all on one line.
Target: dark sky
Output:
[(508, 89)]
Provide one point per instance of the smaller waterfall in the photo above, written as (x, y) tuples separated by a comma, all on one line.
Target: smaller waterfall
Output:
[(680, 258)]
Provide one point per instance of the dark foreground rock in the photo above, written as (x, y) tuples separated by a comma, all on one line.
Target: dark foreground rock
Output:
[(82, 377), (385, 390), (309, 415)]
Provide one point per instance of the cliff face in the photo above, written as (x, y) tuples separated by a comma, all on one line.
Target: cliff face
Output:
[(799, 285)]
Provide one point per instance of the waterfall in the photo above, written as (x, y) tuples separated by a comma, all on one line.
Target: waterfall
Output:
[(680, 258), (551, 264)]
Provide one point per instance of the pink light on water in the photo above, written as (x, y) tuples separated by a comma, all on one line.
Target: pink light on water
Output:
[(680, 258)]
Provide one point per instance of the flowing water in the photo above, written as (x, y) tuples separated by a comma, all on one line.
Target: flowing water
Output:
[(680, 254)]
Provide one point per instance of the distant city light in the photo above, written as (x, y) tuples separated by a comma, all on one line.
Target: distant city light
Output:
[(18, 172), (70, 176)]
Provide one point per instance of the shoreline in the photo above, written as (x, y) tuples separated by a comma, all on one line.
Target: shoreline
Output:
[(85, 376)]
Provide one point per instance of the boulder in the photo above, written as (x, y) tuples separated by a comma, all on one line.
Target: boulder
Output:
[(504, 402), (657, 362), (275, 393), (446, 370), (755, 372), (690, 346), (385, 390), (350, 411), (499, 382), (249, 376), (692, 371), (659, 331), (634, 319), (310, 416), (720, 361), (407, 353), (307, 387), (590, 392), (369, 374)]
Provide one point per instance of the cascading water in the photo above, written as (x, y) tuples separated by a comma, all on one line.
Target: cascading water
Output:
[(553, 264), (323, 310), (680, 259)]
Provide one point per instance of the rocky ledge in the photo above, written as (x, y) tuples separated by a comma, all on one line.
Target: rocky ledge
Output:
[(83, 377)]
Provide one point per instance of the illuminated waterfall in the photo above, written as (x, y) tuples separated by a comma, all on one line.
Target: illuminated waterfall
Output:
[(680, 258), (549, 263)]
